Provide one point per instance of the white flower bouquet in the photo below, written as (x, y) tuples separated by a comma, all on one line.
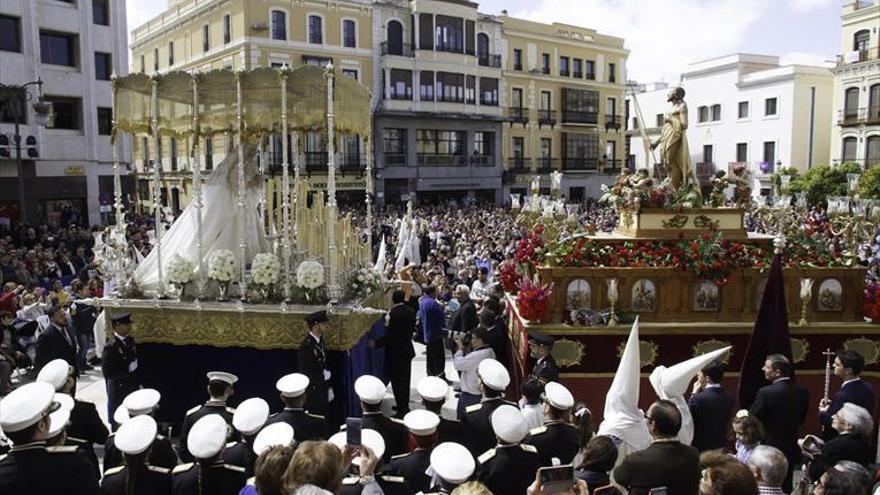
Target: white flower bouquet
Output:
[(266, 269), (310, 275), (222, 266), (180, 270), (363, 282)]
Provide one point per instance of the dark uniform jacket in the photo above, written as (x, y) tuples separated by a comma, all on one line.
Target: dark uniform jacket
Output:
[(782, 407), (465, 319), (412, 467), (241, 454), (546, 370), (312, 361), (449, 430), (858, 392), (152, 480), (711, 410), (215, 479), (306, 426), (52, 344), (31, 468), (398, 336), (663, 463), (555, 439), (476, 425), (86, 429), (509, 468), (391, 485), (846, 447), (197, 413), (162, 453), (393, 431), (117, 358)]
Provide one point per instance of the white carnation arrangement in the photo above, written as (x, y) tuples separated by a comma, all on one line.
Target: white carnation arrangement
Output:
[(180, 270), (222, 266), (310, 275), (266, 269), (363, 282)]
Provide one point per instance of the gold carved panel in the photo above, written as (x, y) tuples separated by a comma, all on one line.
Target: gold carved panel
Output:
[(869, 349), (705, 346), (568, 352)]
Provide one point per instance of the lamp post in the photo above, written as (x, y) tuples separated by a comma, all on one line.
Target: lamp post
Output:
[(15, 98)]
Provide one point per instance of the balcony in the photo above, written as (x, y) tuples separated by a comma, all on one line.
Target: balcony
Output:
[(440, 160), (518, 114), (546, 164), (864, 163), (519, 164), (851, 116), (395, 159), (316, 161), (582, 163), (612, 122), (578, 117), (482, 160), (577, 74), (612, 166), (546, 117), (352, 163), (705, 171), (859, 56), (489, 60), (450, 98), (591, 76), (398, 49), (406, 94)]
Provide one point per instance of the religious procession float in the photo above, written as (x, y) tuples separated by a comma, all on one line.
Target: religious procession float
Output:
[(687, 268), (230, 281)]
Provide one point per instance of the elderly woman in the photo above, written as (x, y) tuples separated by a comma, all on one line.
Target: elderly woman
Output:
[(854, 423)]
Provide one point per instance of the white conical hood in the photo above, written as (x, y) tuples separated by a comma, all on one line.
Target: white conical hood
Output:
[(671, 384), (380, 259), (623, 418)]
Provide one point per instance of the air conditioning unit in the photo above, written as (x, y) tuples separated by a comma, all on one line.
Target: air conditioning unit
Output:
[(260, 26)]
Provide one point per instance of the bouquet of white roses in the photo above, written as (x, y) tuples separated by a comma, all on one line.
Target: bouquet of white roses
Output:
[(180, 270), (363, 282), (310, 275), (266, 269), (222, 266)]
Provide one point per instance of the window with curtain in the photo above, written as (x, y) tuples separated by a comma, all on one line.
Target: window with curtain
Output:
[(450, 87), (279, 25), (316, 33), (426, 85), (449, 34), (488, 91), (349, 34), (401, 84), (470, 89)]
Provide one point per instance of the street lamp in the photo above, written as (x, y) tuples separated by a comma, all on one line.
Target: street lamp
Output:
[(15, 98)]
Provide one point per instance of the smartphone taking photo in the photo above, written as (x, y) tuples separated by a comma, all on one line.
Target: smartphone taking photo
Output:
[(556, 479), (353, 432)]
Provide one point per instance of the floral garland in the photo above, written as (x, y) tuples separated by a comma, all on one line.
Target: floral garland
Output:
[(530, 250), (510, 278), (532, 300)]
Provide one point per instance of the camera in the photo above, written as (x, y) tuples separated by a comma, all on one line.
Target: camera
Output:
[(463, 337)]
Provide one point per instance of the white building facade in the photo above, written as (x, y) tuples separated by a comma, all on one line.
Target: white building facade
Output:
[(73, 46), (743, 109), (856, 116)]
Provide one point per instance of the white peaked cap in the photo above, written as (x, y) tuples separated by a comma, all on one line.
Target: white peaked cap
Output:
[(493, 374), (509, 424), (222, 376), (371, 438), (292, 385), (558, 396), (273, 435), (141, 401), (57, 421), (64, 400), (433, 388), (136, 435), (675, 380), (421, 422), (370, 389), (55, 373), (452, 462), (250, 415), (27, 405), (671, 384), (120, 415), (207, 436), (623, 418)]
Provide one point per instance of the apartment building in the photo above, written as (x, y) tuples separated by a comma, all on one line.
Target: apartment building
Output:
[(74, 47), (245, 34), (563, 94), (743, 109), (856, 124)]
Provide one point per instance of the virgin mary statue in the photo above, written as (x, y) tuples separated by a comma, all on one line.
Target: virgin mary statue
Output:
[(220, 221)]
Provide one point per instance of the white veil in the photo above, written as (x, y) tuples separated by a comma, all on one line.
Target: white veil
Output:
[(219, 221)]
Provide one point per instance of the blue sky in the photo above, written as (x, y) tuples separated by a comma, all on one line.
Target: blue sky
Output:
[(664, 36)]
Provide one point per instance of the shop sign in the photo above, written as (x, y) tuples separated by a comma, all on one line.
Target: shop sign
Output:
[(75, 171)]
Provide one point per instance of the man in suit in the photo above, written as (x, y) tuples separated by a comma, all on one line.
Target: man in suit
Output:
[(399, 351), (312, 361), (306, 426), (57, 341), (782, 408), (666, 462), (220, 388), (120, 363), (848, 366), (854, 424), (433, 318), (545, 369), (465, 318), (711, 407)]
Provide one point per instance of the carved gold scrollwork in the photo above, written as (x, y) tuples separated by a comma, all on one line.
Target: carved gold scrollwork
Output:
[(869, 349), (568, 352), (705, 346), (676, 222), (800, 349), (704, 222), (648, 352)]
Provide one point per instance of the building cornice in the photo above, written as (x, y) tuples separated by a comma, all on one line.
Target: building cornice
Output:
[(507, 33)]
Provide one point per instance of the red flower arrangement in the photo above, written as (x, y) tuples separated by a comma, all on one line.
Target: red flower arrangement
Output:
[(510, 279), (871, 308), (530, 249), (532, 300)]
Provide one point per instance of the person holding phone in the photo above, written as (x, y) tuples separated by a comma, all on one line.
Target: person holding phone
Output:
[(364, 452)]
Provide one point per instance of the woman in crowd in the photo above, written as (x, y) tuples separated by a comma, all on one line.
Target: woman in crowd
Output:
[(598, 459)]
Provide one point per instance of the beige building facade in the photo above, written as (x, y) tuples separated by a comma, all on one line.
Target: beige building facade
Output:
[(856, 117)]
